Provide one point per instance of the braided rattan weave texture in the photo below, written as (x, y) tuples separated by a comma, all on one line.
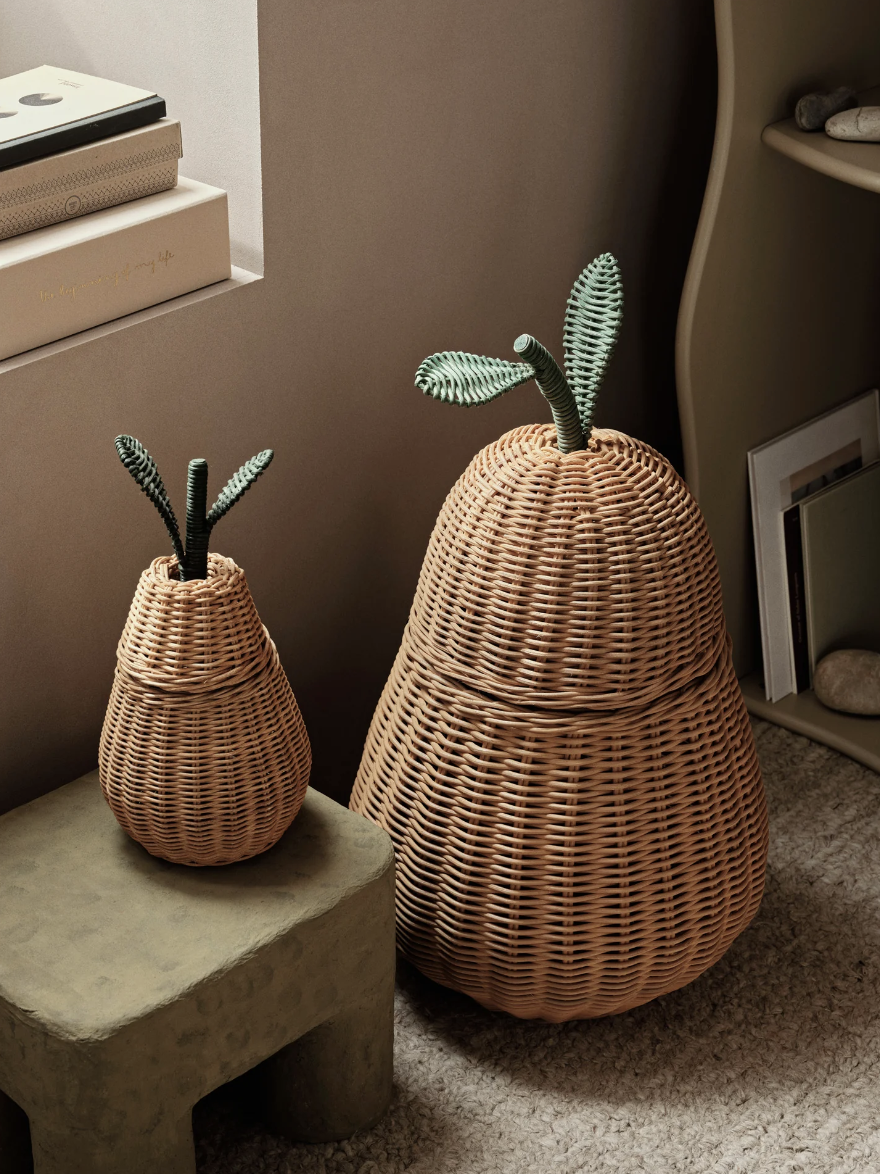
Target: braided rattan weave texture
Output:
[(570, 580), (204, 757), (561, 753)]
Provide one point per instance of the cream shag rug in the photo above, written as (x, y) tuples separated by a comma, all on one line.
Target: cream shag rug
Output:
[(768, 1063)]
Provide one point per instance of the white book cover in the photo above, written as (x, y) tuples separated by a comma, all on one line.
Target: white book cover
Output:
[(43, 98), (69, 277), (85, 179), (782, 472)]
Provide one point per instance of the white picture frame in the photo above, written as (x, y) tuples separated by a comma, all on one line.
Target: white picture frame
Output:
[(790, 465)]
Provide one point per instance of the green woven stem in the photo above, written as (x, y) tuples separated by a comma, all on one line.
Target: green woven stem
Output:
[(192, 562), (195, 565), (592, 323), (555, 389)]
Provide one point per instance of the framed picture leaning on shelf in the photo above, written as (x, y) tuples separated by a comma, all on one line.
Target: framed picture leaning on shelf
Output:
[(785, 472)]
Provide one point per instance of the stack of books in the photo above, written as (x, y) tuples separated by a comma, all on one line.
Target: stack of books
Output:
[(816, 519), (95, 222)]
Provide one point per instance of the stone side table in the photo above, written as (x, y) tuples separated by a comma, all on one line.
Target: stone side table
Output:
[(130, 988)]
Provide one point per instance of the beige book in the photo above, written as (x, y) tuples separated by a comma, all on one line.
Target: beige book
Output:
[(87, 178), (69, 277)]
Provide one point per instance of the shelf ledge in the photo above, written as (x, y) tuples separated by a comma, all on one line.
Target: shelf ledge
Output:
[(239, 278), (857, 737), (857, 164)]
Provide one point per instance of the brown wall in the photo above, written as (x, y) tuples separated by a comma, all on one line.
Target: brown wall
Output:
[(434, 177)]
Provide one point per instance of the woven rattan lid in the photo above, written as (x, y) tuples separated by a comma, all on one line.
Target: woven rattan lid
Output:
[(186, 637), (569, 580)]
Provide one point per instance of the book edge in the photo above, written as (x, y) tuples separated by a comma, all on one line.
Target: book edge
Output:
[(187, 192), (774, 615), (814, 498), (212, 266), (14, 152)]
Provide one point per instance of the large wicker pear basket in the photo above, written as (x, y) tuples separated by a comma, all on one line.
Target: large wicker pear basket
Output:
[(561, 754)]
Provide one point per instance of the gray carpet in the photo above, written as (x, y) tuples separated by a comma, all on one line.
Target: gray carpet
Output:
[(768, 1063)]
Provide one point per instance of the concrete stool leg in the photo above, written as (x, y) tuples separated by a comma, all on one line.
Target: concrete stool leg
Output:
[(336, 1079), (63, 1147), (15, 1142)]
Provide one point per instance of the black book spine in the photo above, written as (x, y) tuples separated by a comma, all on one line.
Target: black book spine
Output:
[(76, 134), (797, 603)]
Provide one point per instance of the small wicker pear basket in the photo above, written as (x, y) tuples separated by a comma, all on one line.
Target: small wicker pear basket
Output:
[(204, 757), (562, 755)]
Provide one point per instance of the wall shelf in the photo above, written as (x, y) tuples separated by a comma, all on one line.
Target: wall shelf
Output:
[(239, 278), (779, 310), (854, 163), (859, 737), (857, 164)]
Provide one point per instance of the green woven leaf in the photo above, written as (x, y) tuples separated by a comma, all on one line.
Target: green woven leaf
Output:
[(592, 323), (145, 471), (238, 484), (455, 377)]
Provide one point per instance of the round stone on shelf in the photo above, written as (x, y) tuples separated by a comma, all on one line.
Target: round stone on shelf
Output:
[(849, 681), (814, 110), (859, 125)]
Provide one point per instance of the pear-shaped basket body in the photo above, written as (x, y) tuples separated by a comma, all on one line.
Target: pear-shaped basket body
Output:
[(561, 754), (204, 757)]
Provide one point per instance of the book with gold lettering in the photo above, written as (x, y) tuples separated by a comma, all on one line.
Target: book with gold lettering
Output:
[(68, 277), (46, 110), (85, 179)]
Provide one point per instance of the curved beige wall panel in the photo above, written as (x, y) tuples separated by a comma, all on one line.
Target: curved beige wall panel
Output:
[(779, 310)]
